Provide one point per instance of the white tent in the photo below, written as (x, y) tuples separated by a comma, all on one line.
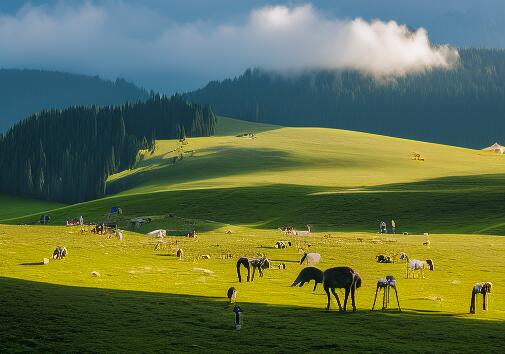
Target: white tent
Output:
[(157, 233), (496, 148)]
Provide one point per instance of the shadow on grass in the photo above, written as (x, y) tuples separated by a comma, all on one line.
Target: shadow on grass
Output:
[(41, 317), (284, 260), (452, 207), (32, 264), (216, 162)]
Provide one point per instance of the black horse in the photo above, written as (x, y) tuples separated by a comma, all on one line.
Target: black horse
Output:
[(307, 274), (256, 263), (341, 277)]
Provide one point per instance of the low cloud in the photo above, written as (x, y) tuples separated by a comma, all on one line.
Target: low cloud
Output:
[(120, 39)]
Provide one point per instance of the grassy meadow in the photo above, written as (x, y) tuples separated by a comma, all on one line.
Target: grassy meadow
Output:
[(147, 300), (235, 192), (13, 207), (335, 180)]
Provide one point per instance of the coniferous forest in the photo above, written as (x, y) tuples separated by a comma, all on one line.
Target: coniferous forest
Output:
[(463, 106), (67, 155), (24, 92)]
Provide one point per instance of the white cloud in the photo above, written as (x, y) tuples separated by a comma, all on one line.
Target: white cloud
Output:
[(121, 39)]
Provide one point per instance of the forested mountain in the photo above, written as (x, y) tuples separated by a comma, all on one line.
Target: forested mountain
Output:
[(464, 106), (23, 92), (67, 155)]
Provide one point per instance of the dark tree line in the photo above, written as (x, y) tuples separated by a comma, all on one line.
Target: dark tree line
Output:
[(24, 92), (67, 155), (463, 106)]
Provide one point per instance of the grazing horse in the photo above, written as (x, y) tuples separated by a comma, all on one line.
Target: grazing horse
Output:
[(302, 232), (256, 263), (307, 274), (480, 288), (341, 277), (417, 265), (310, 258)]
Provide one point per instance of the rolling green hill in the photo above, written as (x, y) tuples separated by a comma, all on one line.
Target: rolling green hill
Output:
[(332, 179), (235, 191), (13, 207)]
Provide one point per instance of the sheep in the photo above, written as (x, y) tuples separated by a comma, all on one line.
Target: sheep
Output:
[(232, 294), (60, 252), (310, 258), (402, 256), (383, 259), (160, 233), (282, 244), (226, 255)]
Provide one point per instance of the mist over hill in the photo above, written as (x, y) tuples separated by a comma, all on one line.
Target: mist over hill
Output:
[(463, 106), (23, 92)]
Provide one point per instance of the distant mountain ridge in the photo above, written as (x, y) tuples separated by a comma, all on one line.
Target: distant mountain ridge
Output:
[(24, 92), (464, 106)]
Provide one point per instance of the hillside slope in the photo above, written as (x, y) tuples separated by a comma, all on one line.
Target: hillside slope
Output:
[(463, 106), (23, 92), (332, 179)]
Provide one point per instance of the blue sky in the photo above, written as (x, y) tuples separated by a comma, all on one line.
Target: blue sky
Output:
[(179, 45)]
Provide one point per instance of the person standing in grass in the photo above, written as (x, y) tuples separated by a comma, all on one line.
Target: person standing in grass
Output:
[(238, 317), (383, 227), (393, 226)]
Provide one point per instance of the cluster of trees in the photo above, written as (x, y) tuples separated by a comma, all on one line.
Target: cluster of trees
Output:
[(67, 155), (24, 92), (462, 106)]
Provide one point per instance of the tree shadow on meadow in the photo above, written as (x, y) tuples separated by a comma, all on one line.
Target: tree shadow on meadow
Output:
[(467, 204), (216, 162), (41, 317)]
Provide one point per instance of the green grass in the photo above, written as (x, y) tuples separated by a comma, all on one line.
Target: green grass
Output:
[(147, 300), (340, 182), (13, 207), (332, 179)]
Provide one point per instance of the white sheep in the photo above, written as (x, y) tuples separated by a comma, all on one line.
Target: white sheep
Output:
[(310, 258)]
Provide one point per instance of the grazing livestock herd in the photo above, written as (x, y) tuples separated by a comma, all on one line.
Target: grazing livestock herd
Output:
[(331, 279)]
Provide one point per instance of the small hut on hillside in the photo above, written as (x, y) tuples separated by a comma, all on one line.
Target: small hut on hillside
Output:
[(496, 148)]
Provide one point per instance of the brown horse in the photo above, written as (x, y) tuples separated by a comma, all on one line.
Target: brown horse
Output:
[(338, 278)]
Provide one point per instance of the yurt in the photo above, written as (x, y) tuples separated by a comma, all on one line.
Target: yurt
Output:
[(496, 148)]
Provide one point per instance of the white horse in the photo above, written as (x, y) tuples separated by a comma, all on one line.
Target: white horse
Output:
[(417, 265), (302, 233), (310, 258)]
